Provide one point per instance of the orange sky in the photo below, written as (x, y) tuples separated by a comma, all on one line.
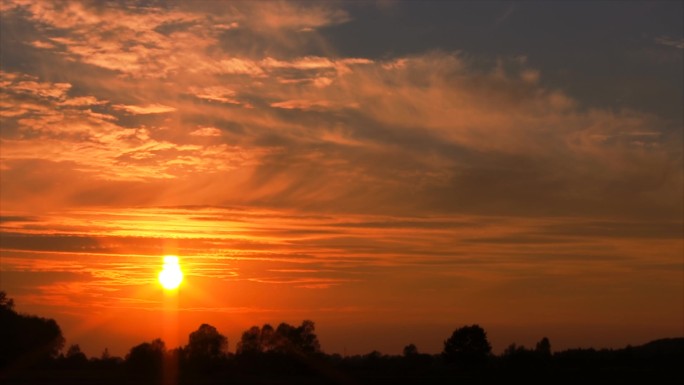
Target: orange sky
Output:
[(390, 190)]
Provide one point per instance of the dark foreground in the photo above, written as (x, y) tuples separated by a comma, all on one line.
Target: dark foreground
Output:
[(32, 352), (659, 362)]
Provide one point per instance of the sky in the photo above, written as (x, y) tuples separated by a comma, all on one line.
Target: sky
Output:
[(390, 170)]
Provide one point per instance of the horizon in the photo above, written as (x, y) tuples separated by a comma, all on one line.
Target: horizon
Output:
[(231, 347), (389, 170)]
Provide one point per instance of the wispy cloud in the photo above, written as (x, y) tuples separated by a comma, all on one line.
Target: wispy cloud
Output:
[(302, 104), (147, 109), (216, 94), (670, 41), (206, 131), (304, 130)]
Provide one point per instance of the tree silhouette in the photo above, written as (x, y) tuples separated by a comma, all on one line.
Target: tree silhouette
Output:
[(308, 341), (543, 347), (266, 338), (284, 339), (105, 355), (292, 355), (250, 342), (410, 350), (301, 339), (6, 303), (206, 343), (26, 338), (467, 346), (107, 361), (147, 358), (74, 357)]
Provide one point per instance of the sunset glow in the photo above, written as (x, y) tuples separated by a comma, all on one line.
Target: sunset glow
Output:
[(389, 170)]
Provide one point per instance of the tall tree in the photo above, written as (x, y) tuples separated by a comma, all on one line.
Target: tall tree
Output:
[(307, 339)]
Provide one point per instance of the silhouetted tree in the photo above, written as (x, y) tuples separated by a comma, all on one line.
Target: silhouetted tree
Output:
[(543, 347), (515, 350), (301, 339), (6, 303), (107, 361), (74, 357), (105, 355), (519, 358), (147, 358), (266, 338), (26, 338), (250, 342), (284, 339), (410, 350), (206, 343), (306, 340), (467, 346)]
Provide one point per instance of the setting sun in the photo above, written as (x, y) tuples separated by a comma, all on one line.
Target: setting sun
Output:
[(171, 275)]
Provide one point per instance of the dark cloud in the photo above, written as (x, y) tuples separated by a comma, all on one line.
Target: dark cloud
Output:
[(49, 242), (25, 281), (601, 229), (17, 218)]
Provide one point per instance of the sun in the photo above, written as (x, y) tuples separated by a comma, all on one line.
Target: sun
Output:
[(171, 275)]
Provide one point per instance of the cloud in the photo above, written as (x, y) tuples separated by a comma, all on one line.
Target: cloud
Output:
[(83, 101), (194, 94), (670, 41), (271, 247), (304, 63), (164, 41), (13, 218), (206, 131), (118, 39), (236, 66), (301, 104), (35, 100), (215, 93), (146, 109), (27, 85), (300, 17), (306, 283), (42, 44)]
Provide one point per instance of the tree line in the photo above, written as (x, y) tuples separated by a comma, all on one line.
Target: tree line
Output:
[(32, 352)]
